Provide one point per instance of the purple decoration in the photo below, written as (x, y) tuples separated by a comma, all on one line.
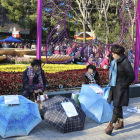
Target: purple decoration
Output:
[(59, 11), (39, 29), (137, 46)]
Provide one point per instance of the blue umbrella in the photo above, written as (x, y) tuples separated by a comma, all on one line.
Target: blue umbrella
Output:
[(94, 105), (11, 39), (16, 120)]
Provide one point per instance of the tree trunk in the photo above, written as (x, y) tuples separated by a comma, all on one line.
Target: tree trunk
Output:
[(84, 32), (84, 18), (106, 22), (117, 8), (91, 27)]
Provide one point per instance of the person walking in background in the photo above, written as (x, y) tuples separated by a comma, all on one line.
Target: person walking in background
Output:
[(33, 46), (106, 62), (5, 45), (57, 49), (1, 45), (69, 50), (121, 75)]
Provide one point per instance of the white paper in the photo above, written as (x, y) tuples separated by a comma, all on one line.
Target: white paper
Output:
[(11, 99), (42, 97), (138, 111), (97, 89), (69, 109)]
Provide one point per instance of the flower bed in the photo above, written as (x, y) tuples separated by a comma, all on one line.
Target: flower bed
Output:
[(18, 59), (49, 68), (11, 82)]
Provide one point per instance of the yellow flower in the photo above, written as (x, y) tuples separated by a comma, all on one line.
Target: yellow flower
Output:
[(50, 68)]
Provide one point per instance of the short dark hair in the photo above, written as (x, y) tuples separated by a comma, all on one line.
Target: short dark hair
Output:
[(118, 49), (36, 62), (91, 67)]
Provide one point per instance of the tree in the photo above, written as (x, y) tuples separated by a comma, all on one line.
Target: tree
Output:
[(24, 13)]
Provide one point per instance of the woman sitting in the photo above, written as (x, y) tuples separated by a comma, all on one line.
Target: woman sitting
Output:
[(91, 76), (33, 81)]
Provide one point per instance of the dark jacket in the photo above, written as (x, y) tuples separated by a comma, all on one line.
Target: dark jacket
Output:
[(85, 79), (119, 94), (26, 89)]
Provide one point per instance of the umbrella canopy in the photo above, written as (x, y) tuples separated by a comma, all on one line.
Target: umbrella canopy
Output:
[(56, 116), (89, 36), (94, 105), (11, 39), (19, 119)]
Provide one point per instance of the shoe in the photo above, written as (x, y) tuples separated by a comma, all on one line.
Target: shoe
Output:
[(119, 124), (109, 128)]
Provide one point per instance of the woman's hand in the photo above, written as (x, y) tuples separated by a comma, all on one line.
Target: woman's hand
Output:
[(39, 90), (36, 91)]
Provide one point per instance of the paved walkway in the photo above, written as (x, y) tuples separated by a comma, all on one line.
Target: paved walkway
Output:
[(92, 131)]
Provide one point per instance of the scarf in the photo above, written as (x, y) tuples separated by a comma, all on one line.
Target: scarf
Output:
[(91, 77), (31, 73), (113, 73)]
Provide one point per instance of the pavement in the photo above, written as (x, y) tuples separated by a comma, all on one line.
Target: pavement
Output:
[(92, 130)]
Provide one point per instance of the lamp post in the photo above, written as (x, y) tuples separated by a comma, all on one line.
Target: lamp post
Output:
[(137, 44), (39, 29)]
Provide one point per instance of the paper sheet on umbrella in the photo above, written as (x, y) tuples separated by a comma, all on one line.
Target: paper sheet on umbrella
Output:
[(11, 99), (69, 109), (96, 88)]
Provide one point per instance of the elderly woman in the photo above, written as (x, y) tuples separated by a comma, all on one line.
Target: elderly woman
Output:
[(33, 81), (120, 77), (91, 76)]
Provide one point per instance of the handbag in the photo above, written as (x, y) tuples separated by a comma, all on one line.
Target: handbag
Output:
[(105, 67)]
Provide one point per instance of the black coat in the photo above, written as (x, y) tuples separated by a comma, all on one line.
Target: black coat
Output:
[(85, 79), (26, 89), (119, 94)]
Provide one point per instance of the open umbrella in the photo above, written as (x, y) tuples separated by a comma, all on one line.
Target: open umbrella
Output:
[(18, 119), (10, 39), (56, 116), (94, 105)]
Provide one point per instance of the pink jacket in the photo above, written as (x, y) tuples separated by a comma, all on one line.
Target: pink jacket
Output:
[(104, 62), (69, 51)]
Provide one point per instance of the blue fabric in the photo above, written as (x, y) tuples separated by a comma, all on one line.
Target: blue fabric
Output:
[(113, 73), (11, 39), (80, 63), (19, 119), (48, 53), (94, 105), (71, 54), (106, 91)]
